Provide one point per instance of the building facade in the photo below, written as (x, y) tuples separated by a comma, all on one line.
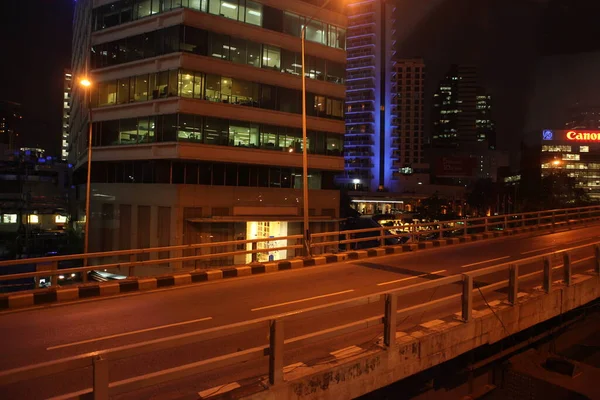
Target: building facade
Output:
[(196, 112), (575, 152), (369, 125), (67, 87)]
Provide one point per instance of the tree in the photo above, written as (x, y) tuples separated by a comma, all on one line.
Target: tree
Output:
[(435, 208), (483, 196)]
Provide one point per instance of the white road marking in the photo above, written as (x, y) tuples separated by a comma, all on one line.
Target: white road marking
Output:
[(193, 321), (410, 277), (303, 300), (543, 248), (486, 261)]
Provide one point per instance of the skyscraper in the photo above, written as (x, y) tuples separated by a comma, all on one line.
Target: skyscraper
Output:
[(464, 137), (406, 147), (66, 115), (369, 122), (454, 108), (197, 119)]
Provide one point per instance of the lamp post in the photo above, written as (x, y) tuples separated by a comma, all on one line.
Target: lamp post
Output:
[(87, 85), (305, 227)]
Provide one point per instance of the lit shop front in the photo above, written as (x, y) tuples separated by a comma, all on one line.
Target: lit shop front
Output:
[(575, 152), (266, 230)]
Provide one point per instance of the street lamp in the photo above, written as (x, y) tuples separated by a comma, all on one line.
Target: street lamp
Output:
[(305, 228), (556, 163), (87, 85)]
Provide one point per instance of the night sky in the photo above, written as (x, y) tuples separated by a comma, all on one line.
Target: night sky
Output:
[(506, 39), (35, 43)]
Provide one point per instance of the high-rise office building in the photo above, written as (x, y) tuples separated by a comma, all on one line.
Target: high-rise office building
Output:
[(369, 125), (66, 115), (454, 108), (197, 119), (408, 97), (463, 140)]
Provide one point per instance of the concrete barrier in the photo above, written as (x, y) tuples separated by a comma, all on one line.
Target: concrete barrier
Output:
[(424, 346)]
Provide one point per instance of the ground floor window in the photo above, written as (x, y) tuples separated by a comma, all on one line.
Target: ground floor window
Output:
[(264, 230)]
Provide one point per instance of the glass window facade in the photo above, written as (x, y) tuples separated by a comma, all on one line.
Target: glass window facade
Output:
[(224, 47), (213, 131), (203, 173), (222, 89), (247, 11)]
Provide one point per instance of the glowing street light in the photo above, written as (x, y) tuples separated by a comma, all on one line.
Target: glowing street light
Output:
[(556, 163), (85, 82)]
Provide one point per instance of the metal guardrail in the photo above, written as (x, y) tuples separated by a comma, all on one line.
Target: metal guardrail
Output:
[(321, 243), (275, 325)]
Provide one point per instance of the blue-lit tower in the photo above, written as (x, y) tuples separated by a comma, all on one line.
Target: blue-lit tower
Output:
[(369, 126)]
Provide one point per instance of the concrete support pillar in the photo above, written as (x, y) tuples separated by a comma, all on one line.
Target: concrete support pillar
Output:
[(276, 352), (391, 307), (567, 268), (100, 378), (547, 275), (513, 284), (467, 298)]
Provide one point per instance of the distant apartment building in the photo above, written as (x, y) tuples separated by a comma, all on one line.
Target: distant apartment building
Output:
[(67, 87), (197, 119), (369, 124)]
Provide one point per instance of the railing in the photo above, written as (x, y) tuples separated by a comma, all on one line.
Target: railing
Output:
[(274, 326), (321, 243)]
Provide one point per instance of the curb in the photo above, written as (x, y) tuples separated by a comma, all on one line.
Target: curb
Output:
[(21, 300)]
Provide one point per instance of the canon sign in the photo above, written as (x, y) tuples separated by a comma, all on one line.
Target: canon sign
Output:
[(583, 136)]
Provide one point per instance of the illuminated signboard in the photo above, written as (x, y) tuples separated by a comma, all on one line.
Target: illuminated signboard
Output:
[(576, 136), (548, 134)]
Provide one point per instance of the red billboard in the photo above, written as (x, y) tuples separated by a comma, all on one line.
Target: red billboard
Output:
[(456, 167)]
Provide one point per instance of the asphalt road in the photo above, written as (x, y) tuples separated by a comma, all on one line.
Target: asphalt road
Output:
[(55, 332)]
